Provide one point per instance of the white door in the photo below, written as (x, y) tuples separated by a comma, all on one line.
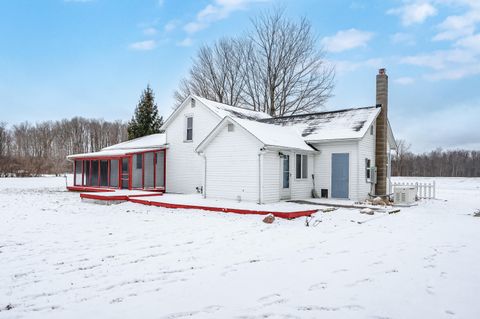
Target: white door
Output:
[(285, 177)]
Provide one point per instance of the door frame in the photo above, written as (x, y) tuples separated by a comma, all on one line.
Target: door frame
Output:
[(286, 193)]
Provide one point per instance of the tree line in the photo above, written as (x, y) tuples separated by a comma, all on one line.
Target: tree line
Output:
[(442, 163), (28, 149)]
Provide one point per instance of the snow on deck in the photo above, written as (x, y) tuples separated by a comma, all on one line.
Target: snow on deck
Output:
[(196, 201), (63, 258)]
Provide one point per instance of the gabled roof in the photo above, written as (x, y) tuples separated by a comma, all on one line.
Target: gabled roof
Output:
[(334, 125), (219, 109), (268, 134), (137, 145)]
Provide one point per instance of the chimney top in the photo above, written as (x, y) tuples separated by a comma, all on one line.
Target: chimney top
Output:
[(381, 71)]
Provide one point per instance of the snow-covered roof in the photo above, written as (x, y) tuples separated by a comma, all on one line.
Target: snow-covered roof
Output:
[(137, 145), (110, 153), (334, 125), (223, 110), (269, 135), (219, 109), (149, 141)]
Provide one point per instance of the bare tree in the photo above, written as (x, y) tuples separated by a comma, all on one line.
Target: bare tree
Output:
[(28, 149), (288, 69), (403, 148), (216, 73), (276, 68)]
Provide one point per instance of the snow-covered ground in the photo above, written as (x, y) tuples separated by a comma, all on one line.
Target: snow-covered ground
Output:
[(63, 258)]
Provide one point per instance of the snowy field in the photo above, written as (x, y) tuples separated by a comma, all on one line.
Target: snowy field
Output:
[(61, 258)]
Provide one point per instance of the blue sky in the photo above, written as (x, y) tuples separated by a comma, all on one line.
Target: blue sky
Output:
[(92, 58)]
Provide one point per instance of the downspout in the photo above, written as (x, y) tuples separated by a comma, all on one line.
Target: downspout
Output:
[(204, 190), (260, 170)]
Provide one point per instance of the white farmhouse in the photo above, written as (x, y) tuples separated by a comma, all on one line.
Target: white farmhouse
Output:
[(228, 152)]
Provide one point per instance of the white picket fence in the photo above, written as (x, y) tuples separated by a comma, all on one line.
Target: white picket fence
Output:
[(424, 190)]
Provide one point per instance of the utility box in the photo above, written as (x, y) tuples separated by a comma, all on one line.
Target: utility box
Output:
[(404, 195)]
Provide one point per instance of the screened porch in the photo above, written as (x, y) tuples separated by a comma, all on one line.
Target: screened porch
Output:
[(135, 170)]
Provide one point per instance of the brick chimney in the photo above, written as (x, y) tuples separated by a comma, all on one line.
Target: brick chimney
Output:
[(381, 157)]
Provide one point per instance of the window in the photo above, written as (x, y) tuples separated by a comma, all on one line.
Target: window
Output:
[(192, 102), (367, 169), (301, 166), (230, 127), (189, 129), (371, 130), (138, 161)]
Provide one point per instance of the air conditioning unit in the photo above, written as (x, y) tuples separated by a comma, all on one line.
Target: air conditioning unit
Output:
[(404, 195)]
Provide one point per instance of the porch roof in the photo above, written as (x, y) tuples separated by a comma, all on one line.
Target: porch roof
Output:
[(113, 153)]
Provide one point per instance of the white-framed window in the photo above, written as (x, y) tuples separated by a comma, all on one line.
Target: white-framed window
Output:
[(230, 127), (368, 173), (301, 166), (371, 129), (188, 128)]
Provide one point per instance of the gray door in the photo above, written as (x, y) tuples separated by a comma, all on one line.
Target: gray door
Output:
[(340, 175)]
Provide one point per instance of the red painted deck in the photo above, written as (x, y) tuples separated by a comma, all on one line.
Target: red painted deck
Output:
[(141, 197), (110, 196), (287, 215), (89, 189)]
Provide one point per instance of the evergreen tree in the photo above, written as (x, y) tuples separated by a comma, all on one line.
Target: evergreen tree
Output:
[(146, 120)]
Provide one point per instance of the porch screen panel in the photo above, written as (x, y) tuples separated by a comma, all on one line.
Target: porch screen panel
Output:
[(114, 173), (159, 167), (86, 173), (78, 172), (103, 173), (148, 170), (94, 173), (137, 171)]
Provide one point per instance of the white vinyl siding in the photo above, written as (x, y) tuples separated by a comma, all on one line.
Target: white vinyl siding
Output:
[(232, 166), (302, 188), (184, 167), (366, 150), (323, 166), (272, 180)]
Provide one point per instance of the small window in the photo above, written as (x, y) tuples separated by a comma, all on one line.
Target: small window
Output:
[(371, 130), (192, 102), (301, 166), (139, 161), (367, 169), (230, 127), (189, 129)]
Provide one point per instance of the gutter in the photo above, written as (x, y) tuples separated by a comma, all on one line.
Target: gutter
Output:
[(260, 170)]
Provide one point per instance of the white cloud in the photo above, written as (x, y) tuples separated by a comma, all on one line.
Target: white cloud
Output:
[(143, 45), (346, 66), (455, 127), (218, 10), (171, 25), (404, 80), (414, 12), (150, 31), (402, 38), (185, 42), (457, 26), (346, 40)]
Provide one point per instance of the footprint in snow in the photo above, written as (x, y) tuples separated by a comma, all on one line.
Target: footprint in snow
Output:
[(318, 286)]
